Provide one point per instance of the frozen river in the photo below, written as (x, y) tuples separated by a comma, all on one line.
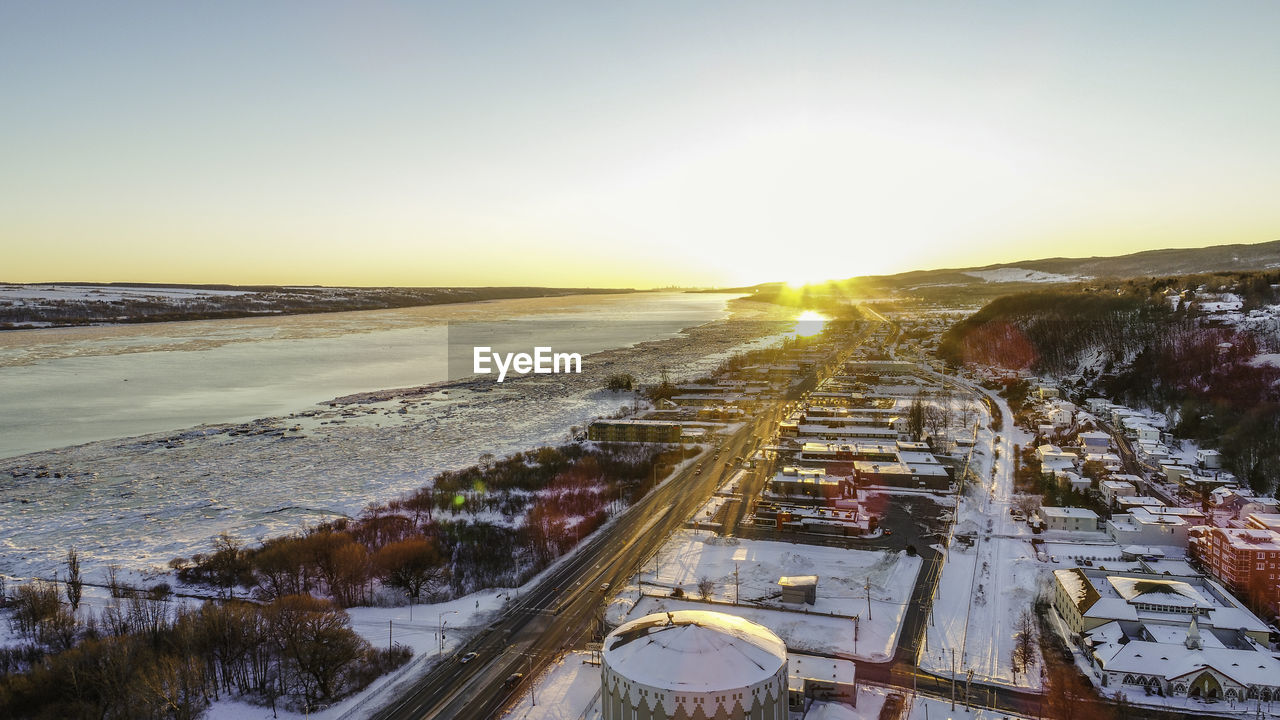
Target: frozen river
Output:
[(187, 430), (68, 386)]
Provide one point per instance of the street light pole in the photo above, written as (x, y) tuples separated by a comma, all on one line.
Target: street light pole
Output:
[(440, 628), (953, 678)]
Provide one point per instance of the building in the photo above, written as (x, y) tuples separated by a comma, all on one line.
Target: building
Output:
[(1095, 441), (693, 664), (1088, 598), (1209, 459), (1147, 526), (1069, 519), (1112, 489), (799, 589), (1245, 560), (897, 473), (793, 482), (1178, 636), (652, 431)]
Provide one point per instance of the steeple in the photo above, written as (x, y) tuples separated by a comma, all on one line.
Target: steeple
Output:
[(1193, 635)]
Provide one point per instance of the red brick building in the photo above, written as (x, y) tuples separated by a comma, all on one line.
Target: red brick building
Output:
[(1247, 561)]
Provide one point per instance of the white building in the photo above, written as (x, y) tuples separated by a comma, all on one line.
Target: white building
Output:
[(1179, 636), (1069, 519), (1209, 459), (1145, 527), (693, 663), (1095, 441), (1112, 489)]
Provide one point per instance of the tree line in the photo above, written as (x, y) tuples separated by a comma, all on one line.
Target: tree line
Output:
[(145, 656)]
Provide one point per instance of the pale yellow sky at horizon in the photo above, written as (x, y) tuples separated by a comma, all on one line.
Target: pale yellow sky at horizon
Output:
[(720, 145)]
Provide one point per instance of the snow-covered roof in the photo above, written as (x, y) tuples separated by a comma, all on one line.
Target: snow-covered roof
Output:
[(694, 650), (1246, 667), (1067, 512), (1173, 593)]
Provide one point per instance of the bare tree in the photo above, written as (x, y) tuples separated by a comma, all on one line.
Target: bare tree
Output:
[(705, 586), (75, 584), (1024, 642)]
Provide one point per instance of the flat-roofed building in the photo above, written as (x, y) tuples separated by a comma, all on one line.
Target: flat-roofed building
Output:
[(651, 431), (1245, 560), (1069, 519), (1112, 489)]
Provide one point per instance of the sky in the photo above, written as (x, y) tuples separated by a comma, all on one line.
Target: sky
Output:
[(624, 144)]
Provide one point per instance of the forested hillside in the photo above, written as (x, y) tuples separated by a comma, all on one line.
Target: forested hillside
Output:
[(1193, 347)]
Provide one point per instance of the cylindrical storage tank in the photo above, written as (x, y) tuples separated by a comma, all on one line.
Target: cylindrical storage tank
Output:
[(693, 664)]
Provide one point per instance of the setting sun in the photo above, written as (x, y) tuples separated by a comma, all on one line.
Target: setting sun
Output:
[(810, 323)]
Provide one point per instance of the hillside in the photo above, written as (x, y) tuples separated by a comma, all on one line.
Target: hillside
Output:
[(1199, 348), (982, 283)]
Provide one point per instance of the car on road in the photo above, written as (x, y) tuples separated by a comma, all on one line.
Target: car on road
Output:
[(513, 680), (604, 587), (467, 658)]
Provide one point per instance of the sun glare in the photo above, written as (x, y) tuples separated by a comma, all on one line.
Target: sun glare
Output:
[(810, 323)]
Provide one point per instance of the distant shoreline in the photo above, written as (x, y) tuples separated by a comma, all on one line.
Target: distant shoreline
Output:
[(42, 306)]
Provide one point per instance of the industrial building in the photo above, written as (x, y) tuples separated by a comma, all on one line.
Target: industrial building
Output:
[(693, 664)]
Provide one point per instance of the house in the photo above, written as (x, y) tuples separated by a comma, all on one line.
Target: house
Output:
[(1061, 414), (1054, 459), (1098, 406), (1111, 489), (1209, 459), (1095, 441), (1069, 519), (1140, 429), (1146, 526), (1128, 503), (1066, 478)]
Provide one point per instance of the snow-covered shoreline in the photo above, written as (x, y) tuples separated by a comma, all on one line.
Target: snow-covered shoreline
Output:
[(141, 501)]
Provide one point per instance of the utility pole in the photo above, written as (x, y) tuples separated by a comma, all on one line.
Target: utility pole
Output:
[(868, 597), (735, 583), (388, 636), (953, 678)]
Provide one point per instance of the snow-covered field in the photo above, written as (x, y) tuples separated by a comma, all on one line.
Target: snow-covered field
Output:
[(824, 627), (103, 293), (1013, 274)]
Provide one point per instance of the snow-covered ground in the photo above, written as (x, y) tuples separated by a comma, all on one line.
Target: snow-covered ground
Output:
[(569, 689), (824, 627), (1013, 274), (983, 589), (103, 293)]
